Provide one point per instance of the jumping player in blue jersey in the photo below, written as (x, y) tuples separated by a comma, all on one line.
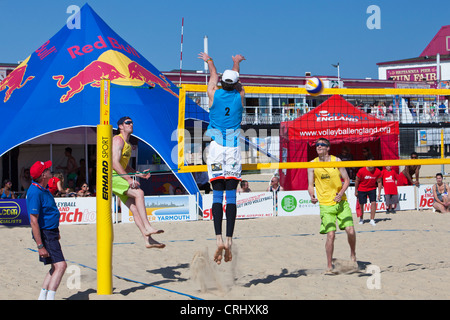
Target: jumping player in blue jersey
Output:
[(224, 157)]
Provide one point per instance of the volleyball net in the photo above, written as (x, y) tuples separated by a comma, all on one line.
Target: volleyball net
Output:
[(281, 125)]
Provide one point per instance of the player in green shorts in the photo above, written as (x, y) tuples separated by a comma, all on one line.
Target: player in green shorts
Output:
[(332, 200), (126, 187)]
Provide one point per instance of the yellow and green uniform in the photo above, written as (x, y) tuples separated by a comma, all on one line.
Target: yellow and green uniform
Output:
[(120, 186), (328, 183)]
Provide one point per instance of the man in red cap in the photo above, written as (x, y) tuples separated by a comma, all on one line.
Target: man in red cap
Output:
[(44, 220)]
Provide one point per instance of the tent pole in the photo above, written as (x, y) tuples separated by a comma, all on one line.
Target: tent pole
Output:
[(51, 154), (86, 161)]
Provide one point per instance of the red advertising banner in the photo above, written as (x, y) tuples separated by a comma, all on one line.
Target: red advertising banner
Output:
[(77, 210)]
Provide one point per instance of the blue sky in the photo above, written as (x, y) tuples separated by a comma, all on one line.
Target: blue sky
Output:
[(283, 37)]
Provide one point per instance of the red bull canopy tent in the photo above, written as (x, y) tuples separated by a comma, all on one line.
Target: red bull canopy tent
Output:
[(57, 87), (343, 124)]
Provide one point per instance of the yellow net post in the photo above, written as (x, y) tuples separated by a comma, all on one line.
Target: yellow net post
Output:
[(104, 184)]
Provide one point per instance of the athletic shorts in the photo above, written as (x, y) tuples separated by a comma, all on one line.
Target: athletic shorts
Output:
[(362, 196), (340, 211), (120, 187), (50, 240), (224, 162), (391, 199), (402, 180)]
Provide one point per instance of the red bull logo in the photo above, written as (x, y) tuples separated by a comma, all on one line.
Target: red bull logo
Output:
[(116, 67), (92, 75), (15, 80), (140, 73)]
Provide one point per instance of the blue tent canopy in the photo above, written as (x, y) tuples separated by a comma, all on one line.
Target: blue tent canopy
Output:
[(57, 87)]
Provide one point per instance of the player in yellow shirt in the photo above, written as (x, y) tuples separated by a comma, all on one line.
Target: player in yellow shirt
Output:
[(332, 200), (127, 188)]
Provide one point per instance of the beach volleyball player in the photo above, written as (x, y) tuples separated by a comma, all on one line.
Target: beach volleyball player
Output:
[(125, 186), (224, 157), (332, 200)]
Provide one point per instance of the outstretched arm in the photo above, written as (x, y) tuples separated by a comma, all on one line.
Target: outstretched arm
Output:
[(213, 76), (237, 59)]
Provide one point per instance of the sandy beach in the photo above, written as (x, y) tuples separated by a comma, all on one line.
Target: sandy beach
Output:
[(274, 258)]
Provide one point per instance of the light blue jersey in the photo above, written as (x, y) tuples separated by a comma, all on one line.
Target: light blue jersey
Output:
[(225, 116)]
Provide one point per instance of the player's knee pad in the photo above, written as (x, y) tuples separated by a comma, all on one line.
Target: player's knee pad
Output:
[(231, 196), (217, 196)]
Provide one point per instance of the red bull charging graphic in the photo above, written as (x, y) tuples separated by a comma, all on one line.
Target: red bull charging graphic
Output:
[(92, 75), (112, 65), (15, 80)]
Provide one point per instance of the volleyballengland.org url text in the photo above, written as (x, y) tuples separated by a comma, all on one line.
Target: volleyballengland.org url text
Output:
[(346, 131)]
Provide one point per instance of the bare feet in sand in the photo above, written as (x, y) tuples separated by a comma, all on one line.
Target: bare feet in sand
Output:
[(228, 255), (221, 247), (218, 253), (152, 243), (149, 232), (331, 272)]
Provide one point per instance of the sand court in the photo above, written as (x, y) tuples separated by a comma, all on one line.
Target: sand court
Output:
[(406, 254)]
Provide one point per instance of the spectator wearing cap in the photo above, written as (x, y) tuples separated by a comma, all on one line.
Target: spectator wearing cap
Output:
[(44, 219)]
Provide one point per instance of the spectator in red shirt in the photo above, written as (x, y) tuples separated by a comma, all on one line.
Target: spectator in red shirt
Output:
[(389, 177), (367, 180), (55, 185)]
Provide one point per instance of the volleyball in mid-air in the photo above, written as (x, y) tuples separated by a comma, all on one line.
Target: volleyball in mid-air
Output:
[(314, 86)]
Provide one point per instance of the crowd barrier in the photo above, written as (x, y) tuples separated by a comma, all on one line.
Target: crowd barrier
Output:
[(185, 207)]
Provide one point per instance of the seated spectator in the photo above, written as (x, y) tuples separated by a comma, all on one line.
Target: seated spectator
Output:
[(179, 191), (5, 191), (70, 191), (84, 191), (55, 185), (275, 185), (244, 187), (440, 193), (202, 181)]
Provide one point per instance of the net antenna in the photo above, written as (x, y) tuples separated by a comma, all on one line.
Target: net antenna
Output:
[(181, 49)]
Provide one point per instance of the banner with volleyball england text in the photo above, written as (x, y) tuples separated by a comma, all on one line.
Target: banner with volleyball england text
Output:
[(249, 205)]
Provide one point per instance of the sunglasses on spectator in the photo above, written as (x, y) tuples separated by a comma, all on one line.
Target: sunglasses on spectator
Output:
[(321, 144), (128, 122)]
